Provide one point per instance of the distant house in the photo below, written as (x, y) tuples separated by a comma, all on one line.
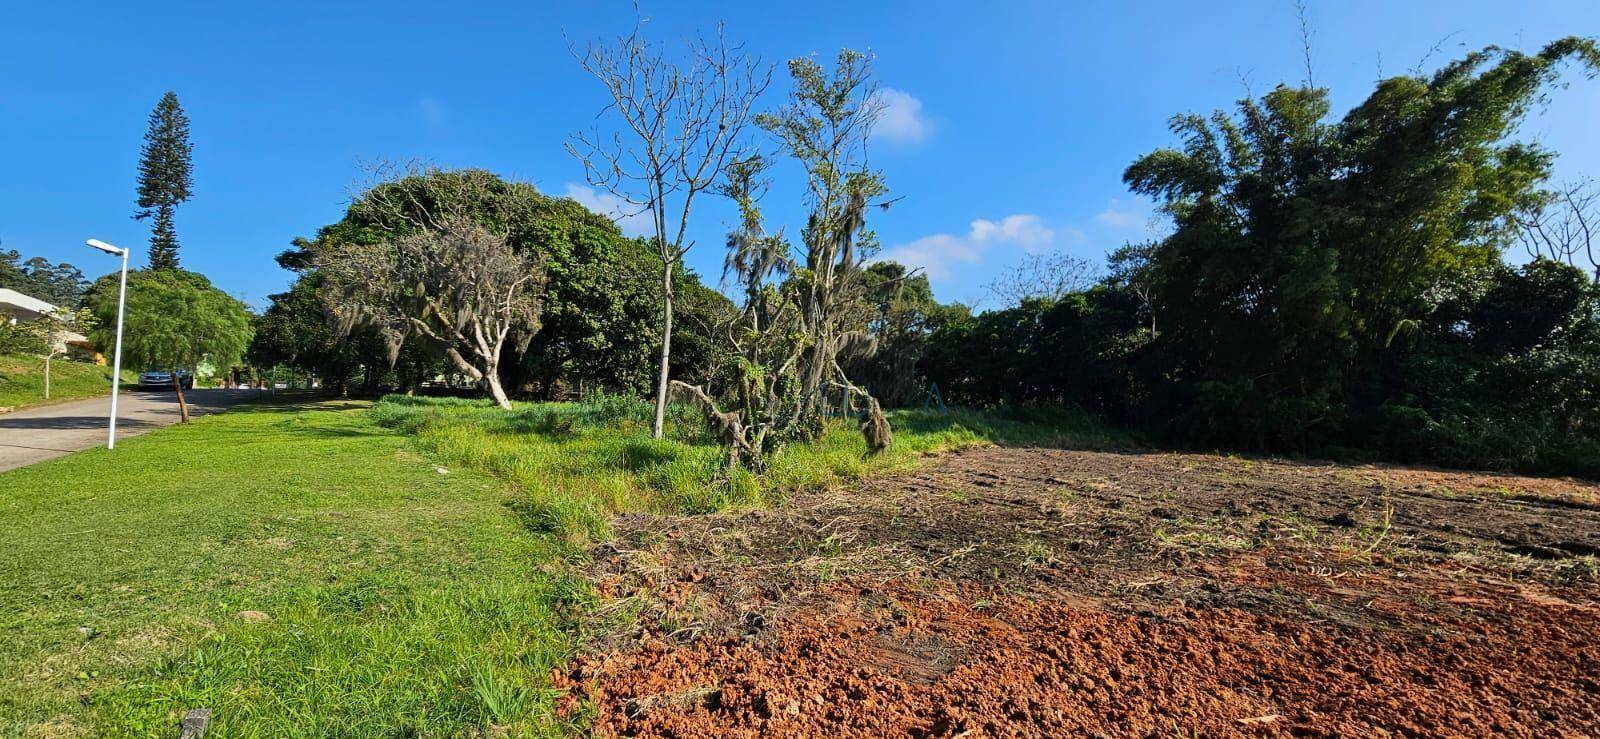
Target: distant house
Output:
[(17, 308)]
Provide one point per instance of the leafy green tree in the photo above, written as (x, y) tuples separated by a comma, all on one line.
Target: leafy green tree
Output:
[(59, 284), (1505, 373), (173, 319), (165, 176), (1081, 349), (601, 313), (824, 127), (902, 315), (1333, 286), (1525, 307), (293, 332), (699, 352), (1128, 269), (1303, 244)]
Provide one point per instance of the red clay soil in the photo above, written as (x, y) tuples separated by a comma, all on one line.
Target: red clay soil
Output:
[(934, 665), (1314, 634)]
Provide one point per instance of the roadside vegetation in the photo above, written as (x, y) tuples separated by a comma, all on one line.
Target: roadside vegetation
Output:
[(175, 319), (31, 350), (22, 380)]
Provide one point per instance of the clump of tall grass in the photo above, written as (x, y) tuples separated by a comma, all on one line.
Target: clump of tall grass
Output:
[(578, 463), (582, 463)]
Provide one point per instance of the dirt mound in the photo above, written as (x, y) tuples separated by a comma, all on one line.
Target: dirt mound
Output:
[(1009, 592), (970, 663)]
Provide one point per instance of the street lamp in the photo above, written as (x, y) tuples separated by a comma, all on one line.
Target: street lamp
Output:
[(116, 361)]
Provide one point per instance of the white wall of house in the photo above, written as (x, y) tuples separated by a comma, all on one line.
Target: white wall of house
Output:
[(16, 307)]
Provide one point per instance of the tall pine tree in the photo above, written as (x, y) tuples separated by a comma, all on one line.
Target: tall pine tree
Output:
[(164, 177)]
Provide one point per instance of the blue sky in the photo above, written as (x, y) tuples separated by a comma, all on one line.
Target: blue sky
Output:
[(1011, 123)]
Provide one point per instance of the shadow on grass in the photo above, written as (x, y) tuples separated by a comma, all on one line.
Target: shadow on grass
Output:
[(301, 404), (535, 518), (340, 432), (1042, 426)]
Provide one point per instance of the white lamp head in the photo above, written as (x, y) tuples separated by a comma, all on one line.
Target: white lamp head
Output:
[(107, 248)]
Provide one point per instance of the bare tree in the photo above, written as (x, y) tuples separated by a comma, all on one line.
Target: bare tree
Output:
[(1300, 14), (55, 328), (1050, 276), (1564, 224), (455, 282), (677, 123)]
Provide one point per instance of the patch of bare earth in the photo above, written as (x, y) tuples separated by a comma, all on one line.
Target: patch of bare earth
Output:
[(1044, 592)]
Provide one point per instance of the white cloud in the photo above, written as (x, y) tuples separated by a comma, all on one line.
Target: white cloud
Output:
[(935, 254), (1121, 214), (1026, 231), (631, 219), (900, 118), (938, 255)]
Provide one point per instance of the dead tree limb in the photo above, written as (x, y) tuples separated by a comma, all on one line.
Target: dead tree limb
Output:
[(729, 424)]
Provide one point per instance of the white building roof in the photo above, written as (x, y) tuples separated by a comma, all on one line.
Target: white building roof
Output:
[(18, 303)]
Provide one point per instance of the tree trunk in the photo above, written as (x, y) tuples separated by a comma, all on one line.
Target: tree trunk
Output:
[(183, 405), (658, 427), (809, 413), (492, 377)]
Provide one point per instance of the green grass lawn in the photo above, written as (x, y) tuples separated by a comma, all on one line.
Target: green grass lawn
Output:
[(22, 380), (309, 571), (400, 599)]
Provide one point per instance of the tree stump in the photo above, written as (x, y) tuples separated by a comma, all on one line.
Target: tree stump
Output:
[(876, 428)]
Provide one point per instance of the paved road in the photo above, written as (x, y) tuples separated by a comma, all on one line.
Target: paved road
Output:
[(36, 434)]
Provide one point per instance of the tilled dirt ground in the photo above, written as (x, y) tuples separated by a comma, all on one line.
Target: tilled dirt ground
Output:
[(1047, 592)]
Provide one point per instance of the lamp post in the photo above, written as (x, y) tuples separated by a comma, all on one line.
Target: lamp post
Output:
[(116, 360)]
